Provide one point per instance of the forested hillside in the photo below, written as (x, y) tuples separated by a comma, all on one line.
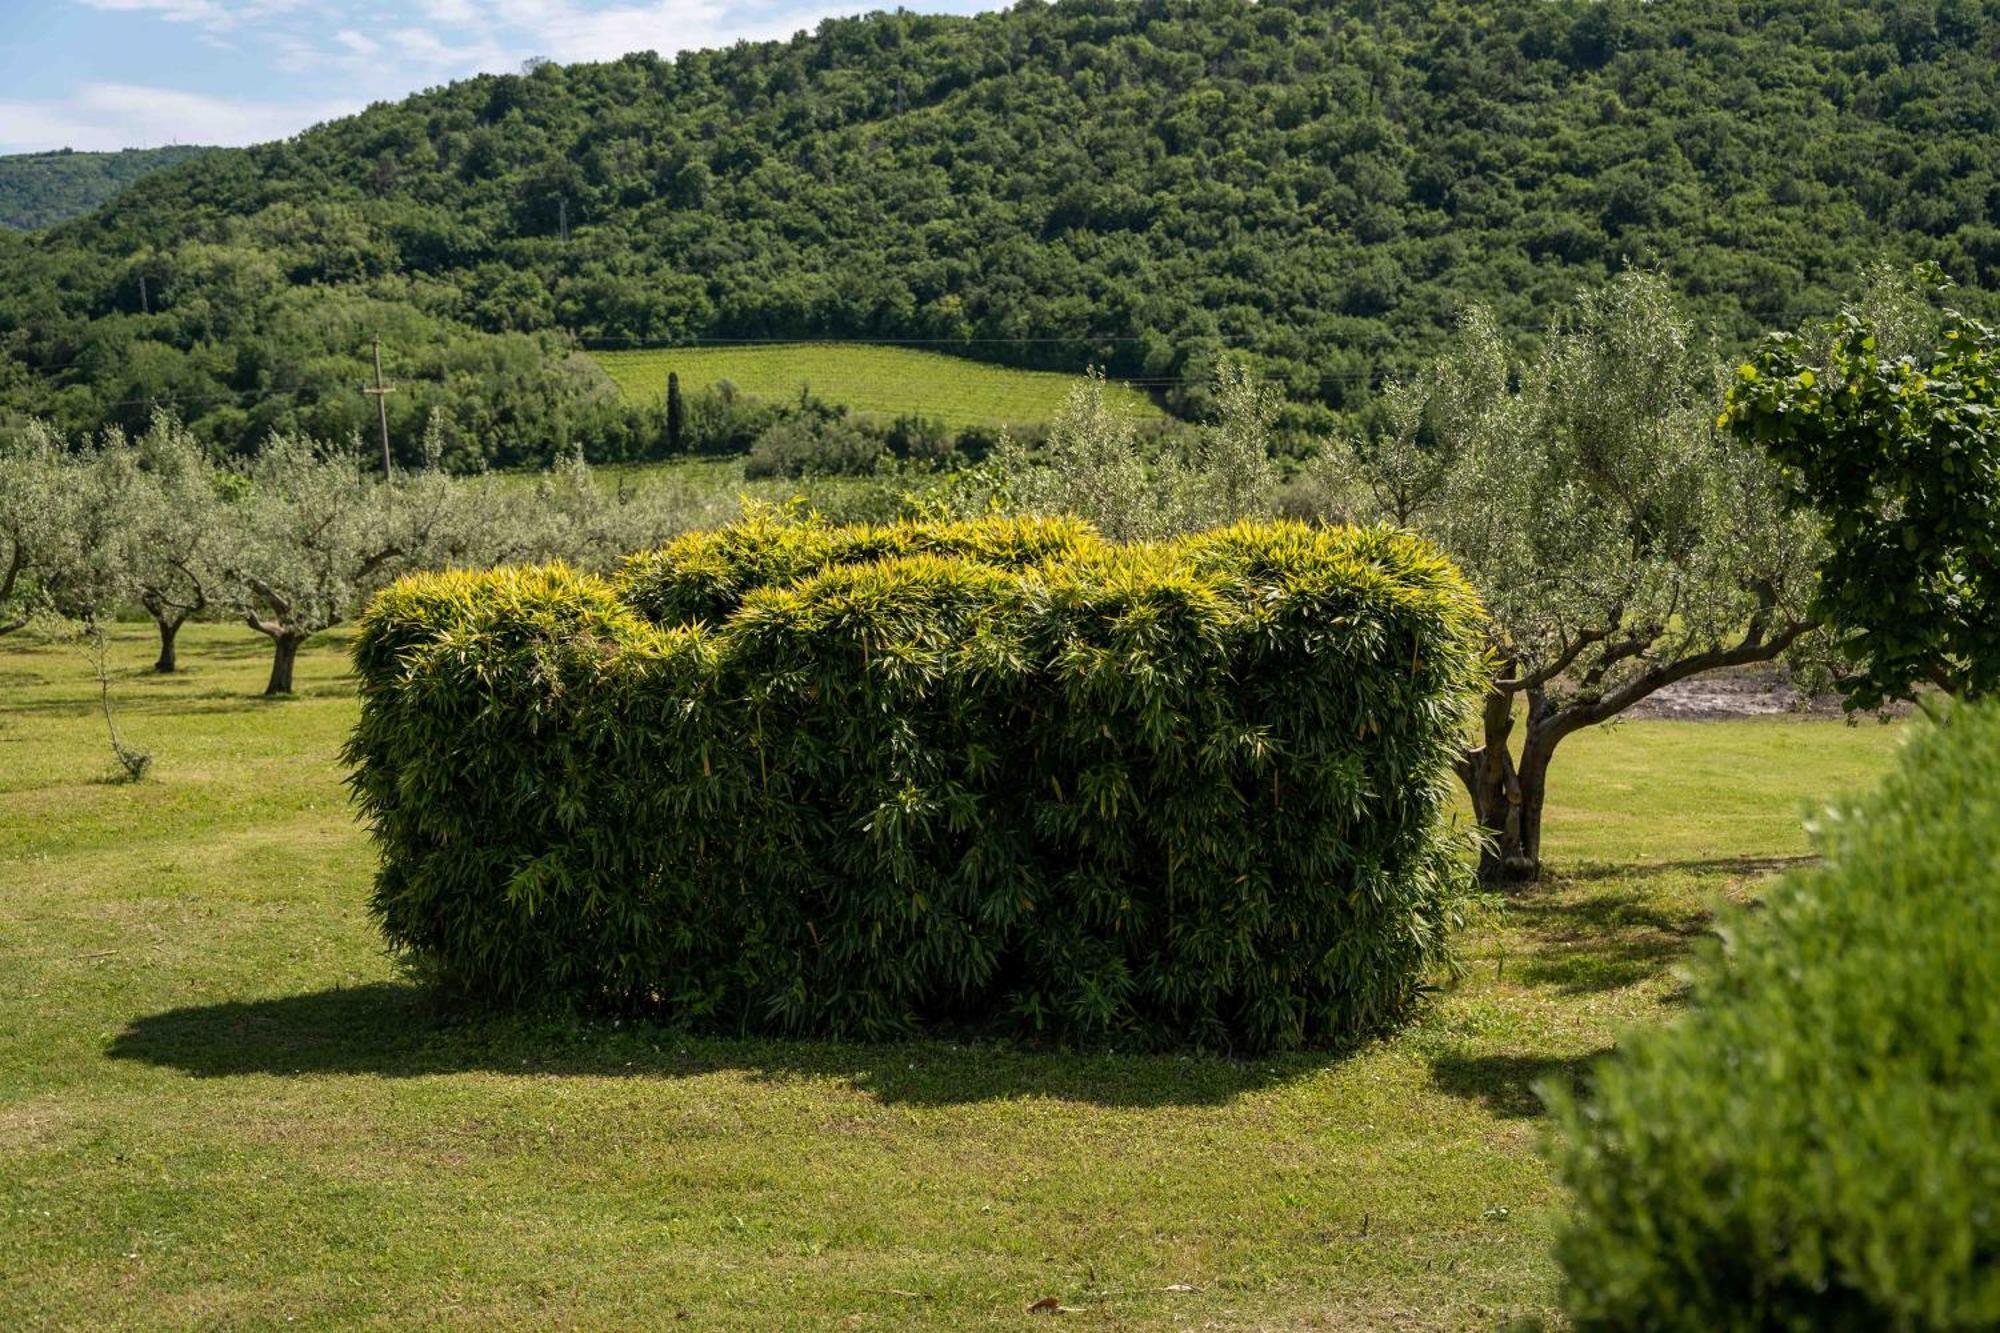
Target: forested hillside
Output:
[(42, 189), (1147, 186)]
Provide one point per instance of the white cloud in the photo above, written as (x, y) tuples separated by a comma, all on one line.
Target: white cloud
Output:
[(338, 57), (382, 58), (448, 11), (214, 14), (425, 49), (174, 11), (120, 115), (569, 30)]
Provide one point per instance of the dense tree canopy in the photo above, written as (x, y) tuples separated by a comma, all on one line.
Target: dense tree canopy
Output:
[(1146, 185), (42, 189), (1897, 458)]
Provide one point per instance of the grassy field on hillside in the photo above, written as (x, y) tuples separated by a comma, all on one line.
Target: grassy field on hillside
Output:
[(220, 1105), (871, 380)]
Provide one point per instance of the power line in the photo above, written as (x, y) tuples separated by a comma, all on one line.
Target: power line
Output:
[(830, 340)]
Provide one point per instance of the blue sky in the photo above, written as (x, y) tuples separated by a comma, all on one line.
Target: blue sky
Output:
[(139, 73)]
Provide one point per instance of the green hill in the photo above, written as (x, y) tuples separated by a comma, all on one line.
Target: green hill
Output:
[(873, 381), (42, 189), (1144, 185)]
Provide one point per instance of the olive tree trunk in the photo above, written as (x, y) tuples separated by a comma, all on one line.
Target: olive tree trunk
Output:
[(169, 613), (16, 558), (168, 661), (1509, 791), (285, 653), (1509, 794)]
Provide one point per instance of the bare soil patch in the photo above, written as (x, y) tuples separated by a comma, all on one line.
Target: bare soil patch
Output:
[(1725, 695)]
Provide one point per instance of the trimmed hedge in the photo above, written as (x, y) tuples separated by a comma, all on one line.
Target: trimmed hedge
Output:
[(704, 576), (1817, 1145), (990, 776)]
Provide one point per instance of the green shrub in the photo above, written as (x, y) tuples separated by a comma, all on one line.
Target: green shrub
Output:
[(925, 441), (719, 421), (813, 444), (991, 776), (1817, 1144)]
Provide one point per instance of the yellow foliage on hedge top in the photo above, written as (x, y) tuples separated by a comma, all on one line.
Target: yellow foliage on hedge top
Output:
[(999, 775), (703, 576)]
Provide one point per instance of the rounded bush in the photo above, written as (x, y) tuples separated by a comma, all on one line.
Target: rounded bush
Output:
[(997, 776), (1817, 1144)]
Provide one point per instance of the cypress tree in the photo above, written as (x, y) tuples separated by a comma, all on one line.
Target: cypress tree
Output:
[(676, 414)]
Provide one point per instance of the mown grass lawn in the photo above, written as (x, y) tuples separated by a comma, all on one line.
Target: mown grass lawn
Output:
[(871, 380), (221, 1106)]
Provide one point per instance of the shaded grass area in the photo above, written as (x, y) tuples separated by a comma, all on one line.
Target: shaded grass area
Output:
[(870, 380), (220, 1103)]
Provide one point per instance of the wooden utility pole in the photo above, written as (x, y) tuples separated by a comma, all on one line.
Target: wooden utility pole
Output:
[(380, 393), (563, 205), (145, 302)]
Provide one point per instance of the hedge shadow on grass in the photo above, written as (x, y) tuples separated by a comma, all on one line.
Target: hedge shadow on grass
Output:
[(1734, 867), (1607, 940), (1505, 1084), (395, 1030)]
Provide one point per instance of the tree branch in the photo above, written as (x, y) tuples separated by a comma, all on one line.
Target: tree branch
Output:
[(157, 603), (1752, 647), (1537, 679), (377, 560), (1614, 653), (264, 590)]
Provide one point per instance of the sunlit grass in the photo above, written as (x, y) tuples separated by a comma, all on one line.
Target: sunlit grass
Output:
[(871, 380), (220, 1104)]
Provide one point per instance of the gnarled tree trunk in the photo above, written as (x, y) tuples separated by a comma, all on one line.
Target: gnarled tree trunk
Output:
[(1510, 793), (168, 661), (16, 558), (1494, 784), (286, 630), (285, 653), (168, 620), (169, 614)]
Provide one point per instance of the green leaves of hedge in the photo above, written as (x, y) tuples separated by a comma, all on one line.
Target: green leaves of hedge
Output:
[(994, 776), (1814, 1146)]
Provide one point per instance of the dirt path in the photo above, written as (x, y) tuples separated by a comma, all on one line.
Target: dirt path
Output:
[(1723, 695)]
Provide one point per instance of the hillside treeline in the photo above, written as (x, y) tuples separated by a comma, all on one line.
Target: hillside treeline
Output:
[(42, 189), (1143, 185)]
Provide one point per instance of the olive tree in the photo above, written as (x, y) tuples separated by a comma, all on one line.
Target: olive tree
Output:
[(311, 534), (1094, 465), (571, 514), (171, 530), (81, 572), (37, 496), (69, 505), (1621, 541), (1223, 471)]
